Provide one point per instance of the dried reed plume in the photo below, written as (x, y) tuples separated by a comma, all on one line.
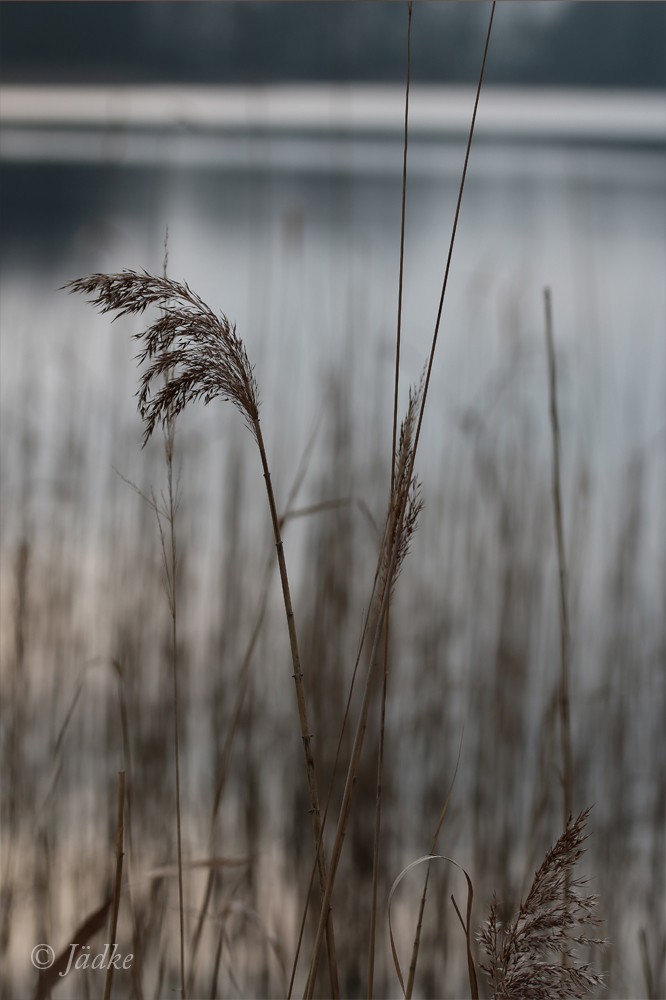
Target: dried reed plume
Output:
[(525, 958), (406, 496), (199, 355)]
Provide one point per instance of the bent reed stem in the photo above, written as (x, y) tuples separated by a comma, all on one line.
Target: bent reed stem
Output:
[(306, 735)]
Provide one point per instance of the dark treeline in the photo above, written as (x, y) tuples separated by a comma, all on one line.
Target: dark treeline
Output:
[(582, 44)]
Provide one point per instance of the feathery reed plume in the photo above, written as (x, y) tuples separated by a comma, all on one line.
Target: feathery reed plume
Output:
[(382, 713), (200, 353), (201, 357), (565, 724), (524, 958)]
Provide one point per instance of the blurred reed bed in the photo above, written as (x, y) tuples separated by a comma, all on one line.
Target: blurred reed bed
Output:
[(86, 650)]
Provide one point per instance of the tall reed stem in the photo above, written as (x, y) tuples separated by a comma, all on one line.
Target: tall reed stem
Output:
[(170, 571), (565, 726), (108, 982), (363, 717), (306, 735), (168, 444), (382, 722)]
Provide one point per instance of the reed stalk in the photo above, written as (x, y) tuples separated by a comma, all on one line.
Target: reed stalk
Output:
[(382, 721), (108, 983), (306, 735), (394, 542), (170, 571), (565, 724)]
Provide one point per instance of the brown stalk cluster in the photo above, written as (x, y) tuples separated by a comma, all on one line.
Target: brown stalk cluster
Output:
[(534, 955)]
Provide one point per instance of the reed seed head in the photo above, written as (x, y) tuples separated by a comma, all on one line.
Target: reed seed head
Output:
[(193, 353), (525, 958), (406, 495)]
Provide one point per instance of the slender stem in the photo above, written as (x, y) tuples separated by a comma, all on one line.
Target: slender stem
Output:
[(417, 937), (306, 735), (118, 880), (565, 728), (169, 441), (380, 760), (362, 722), (170, 568)]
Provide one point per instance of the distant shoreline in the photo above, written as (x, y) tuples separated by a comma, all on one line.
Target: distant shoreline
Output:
[(436, 111)]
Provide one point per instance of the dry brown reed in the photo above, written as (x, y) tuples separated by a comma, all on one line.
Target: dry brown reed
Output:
[(524, 957)]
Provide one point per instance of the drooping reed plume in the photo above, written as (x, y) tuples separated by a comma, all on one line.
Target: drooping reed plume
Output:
[(193, 355), (201, 353), (525, 957)]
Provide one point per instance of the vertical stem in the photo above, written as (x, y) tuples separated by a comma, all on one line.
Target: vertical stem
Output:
[(169, 439), (306, 735), (116, 887), (565, 728), (174, 646), (380, 760), (417, 937)]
